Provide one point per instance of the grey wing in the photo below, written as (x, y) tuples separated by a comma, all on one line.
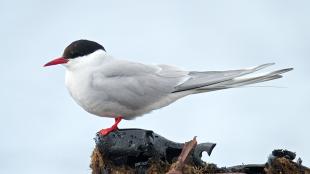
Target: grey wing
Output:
[(137, 85)]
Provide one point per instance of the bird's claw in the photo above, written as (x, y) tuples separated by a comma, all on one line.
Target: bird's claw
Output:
[(107, 131)]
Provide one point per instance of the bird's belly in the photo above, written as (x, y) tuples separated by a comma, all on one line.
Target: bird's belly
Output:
[(94, 102), (108, 103), (99, 104), (107, 109)]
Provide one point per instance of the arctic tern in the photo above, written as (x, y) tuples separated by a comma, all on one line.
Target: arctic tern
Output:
[(120, 89)]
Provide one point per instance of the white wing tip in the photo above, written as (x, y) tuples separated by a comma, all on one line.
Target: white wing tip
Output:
[(259, 67), (265, 65)]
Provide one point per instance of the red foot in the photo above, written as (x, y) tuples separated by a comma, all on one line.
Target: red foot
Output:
[(106, 131), (111, 129)]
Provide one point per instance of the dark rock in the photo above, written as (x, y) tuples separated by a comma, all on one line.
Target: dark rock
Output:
[(281, 161), (135, 147), (284, 153), (137, 151), (248, 168)]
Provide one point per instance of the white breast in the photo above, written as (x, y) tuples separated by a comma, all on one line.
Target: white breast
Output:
[(93, 101)]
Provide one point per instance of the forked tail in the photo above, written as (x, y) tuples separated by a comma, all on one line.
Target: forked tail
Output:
[(216, 80)]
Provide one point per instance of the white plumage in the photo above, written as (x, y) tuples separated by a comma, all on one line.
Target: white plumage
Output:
[(110, 87)]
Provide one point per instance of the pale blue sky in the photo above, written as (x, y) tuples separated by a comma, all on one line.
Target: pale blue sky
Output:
[(43, 129)]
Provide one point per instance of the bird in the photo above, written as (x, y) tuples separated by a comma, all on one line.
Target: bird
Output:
[(109, 87)]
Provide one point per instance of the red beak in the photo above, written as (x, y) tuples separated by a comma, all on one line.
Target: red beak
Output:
[(57, 61)]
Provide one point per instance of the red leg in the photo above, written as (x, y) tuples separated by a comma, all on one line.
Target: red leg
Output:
[(112, 128)]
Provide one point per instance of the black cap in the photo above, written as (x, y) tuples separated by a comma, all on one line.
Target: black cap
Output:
[(81, 48)]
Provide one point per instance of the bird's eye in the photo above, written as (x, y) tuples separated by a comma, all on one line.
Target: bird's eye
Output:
[(74, 54)]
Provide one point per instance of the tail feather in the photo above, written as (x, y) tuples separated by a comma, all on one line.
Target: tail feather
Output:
[(241, 81), (206, 78), (237, 80)]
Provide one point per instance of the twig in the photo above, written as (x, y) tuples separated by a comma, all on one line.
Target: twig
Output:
[(179, 164)]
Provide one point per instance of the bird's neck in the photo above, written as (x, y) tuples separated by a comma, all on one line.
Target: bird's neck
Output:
[(89, 62)]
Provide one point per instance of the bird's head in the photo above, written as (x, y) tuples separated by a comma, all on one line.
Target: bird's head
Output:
[(76, 52)]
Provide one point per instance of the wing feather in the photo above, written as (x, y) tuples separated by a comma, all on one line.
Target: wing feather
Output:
[(136, 85), (201, 79)]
